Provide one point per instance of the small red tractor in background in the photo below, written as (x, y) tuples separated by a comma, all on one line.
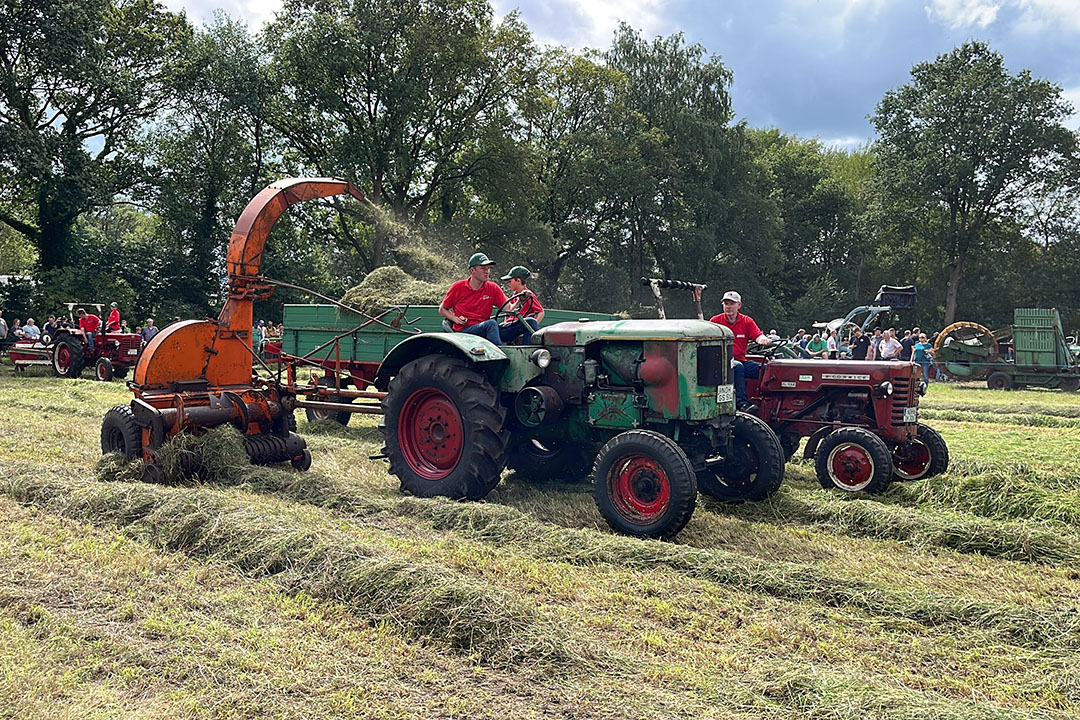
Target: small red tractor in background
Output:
[(861, 418), (68, 352)]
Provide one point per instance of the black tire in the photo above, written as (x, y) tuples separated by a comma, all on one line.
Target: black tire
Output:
[(924, 457), (119, 433), (790, 443), (340, 417), (103, 369), (1069, 384), (67, 357), (644, 484), (999, 381), (544, 459), (754, 472), (853, 459), (457, 445), (120, 372)]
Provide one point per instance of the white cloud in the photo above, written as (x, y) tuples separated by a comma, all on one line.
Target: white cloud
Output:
[(256, 12), (1032, 15), (955, 14), (848, 142), (591, 23)]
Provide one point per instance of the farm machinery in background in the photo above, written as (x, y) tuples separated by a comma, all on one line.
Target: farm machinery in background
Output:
[(861, 417), (646, 407), (69, 352), (1032, 352), (889, 299)]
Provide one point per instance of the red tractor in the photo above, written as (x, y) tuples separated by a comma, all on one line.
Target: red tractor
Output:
[(861, 419), (70, 351)]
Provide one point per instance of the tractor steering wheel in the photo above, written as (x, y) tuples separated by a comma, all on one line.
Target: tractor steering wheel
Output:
[(504, 309)]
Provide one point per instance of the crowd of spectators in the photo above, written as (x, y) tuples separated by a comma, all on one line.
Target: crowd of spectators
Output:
[(913, 346)]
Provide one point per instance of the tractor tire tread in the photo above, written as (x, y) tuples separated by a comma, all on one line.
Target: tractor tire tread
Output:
[(875, 446)]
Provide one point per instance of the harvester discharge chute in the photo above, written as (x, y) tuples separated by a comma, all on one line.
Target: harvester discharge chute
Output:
[(198, 374)]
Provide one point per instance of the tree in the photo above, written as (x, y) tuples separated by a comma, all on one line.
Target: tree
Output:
[(962, 146), (402, 97), (209, 155), (78, 78)]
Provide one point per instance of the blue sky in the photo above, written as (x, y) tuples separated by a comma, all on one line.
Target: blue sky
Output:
[(815, 68)]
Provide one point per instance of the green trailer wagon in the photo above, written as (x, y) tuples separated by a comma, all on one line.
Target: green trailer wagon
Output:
[(336, 353)]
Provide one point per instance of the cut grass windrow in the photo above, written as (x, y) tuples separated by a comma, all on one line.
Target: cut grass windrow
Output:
[(1002, 418), (424, 601), (860, 516), (507, 526)]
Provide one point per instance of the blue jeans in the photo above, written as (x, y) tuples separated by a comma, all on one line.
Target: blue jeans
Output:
[(488, 329), (743, 370), (516, 329), (925, 365), (90, 340)]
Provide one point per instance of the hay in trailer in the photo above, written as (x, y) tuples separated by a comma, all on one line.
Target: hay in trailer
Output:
[(390, 285)]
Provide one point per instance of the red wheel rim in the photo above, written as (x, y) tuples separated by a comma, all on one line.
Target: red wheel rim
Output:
[(63, 358), (639, 488), (101, 371), (431, 433), (850, 466), (911, 460)]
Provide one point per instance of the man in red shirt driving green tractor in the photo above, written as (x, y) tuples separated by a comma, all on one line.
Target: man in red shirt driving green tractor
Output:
[(745, 330)]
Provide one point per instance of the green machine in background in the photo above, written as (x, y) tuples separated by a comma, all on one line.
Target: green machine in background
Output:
[(1032, 352)]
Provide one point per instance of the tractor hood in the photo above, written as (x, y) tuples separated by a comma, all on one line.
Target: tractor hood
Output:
[(583, 333)]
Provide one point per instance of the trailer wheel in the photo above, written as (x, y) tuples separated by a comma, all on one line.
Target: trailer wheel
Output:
[(533, 459), (120, 434), (342, 418), (756, 469), (644, 484), (853, 459), (1069, 384), (442, 429), (925, 456), (999, 381), (103, 369), (68, 360)]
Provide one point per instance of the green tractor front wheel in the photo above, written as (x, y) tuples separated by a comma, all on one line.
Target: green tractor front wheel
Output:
[(644, 484), (754, 471)]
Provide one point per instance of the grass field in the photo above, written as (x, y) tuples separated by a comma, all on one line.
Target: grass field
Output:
[(273, 594)]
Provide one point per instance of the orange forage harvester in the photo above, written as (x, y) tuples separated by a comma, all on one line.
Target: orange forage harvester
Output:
[(197, 374)]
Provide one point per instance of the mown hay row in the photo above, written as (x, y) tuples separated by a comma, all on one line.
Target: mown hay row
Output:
[(870, 518), (1002, 418), (1013, 408), (422, 600), (508, 526)]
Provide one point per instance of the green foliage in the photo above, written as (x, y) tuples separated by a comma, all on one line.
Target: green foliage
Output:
[(959, 145)]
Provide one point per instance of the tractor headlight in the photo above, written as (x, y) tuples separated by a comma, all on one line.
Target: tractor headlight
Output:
[(541, 358), (885, 389), (922, 388)]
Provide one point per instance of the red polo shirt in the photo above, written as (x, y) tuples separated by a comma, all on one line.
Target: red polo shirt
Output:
[(745, 330), (530, 305), (90, 323), (475, 305)]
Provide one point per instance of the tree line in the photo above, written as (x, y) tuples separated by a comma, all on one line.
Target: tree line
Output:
[(130, 140)]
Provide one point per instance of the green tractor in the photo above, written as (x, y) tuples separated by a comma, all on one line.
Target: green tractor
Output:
[(646, 407)]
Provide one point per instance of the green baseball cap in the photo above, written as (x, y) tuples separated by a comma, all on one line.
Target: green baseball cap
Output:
[(480, 259), (518, 271)]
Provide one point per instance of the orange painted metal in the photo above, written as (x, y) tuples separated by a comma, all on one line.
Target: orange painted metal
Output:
[(194, 369)]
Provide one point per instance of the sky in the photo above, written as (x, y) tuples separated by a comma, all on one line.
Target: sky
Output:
[(813, 68)]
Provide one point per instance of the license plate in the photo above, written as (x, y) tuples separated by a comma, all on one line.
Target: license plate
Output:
[(725, 393), (133, 351), (911, 415)]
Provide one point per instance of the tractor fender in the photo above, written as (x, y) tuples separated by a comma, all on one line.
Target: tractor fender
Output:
[(488, 357), (814, 440)]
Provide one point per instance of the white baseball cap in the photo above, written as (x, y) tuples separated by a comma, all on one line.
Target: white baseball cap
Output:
[(733, 296)]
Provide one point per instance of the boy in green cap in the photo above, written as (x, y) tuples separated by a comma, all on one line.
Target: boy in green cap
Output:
[(469, 302), (527, 306)]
